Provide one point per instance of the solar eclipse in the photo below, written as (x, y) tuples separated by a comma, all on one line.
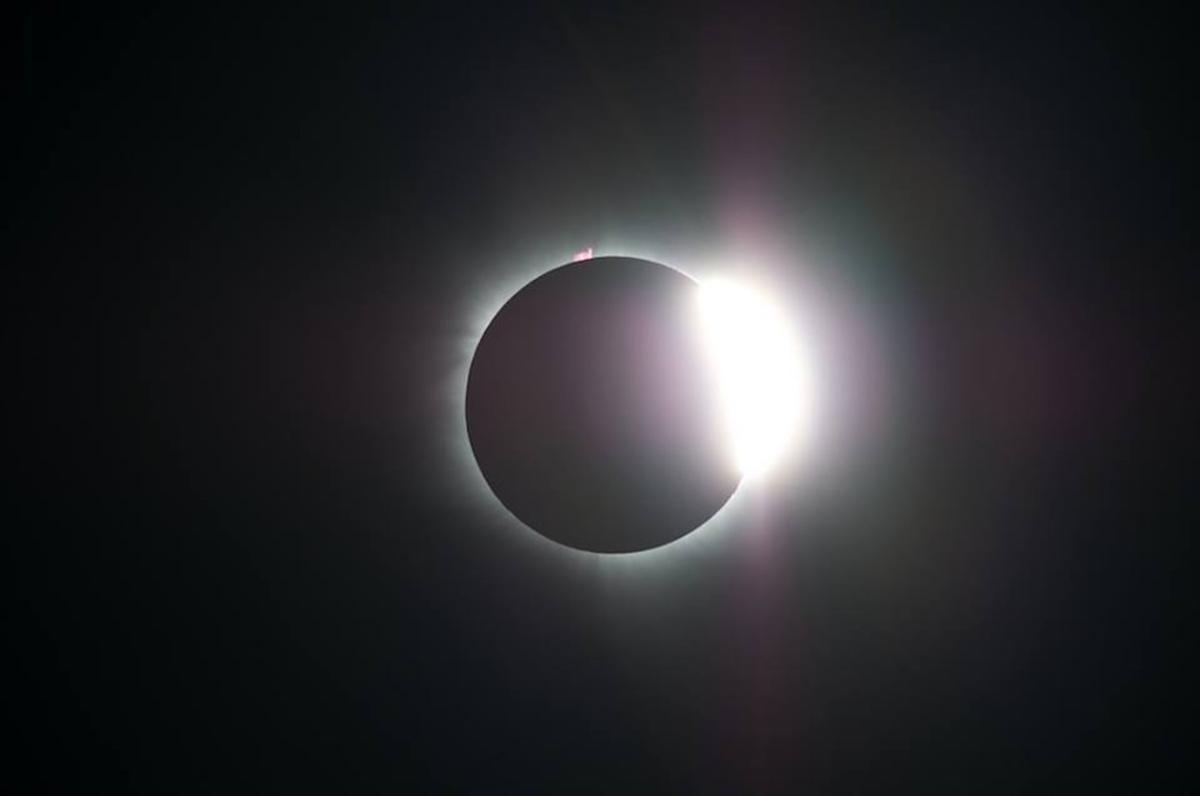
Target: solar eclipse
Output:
[(614, 404)]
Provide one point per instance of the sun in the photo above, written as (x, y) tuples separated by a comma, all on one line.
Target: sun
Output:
[(766, 348), (762, 373)]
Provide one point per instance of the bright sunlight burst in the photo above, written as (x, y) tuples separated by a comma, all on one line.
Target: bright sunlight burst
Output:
[(762, 373)]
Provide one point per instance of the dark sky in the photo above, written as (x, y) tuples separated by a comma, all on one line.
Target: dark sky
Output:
[(251, 243)]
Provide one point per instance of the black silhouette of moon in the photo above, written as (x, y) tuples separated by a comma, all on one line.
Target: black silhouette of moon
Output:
[(592, 411)]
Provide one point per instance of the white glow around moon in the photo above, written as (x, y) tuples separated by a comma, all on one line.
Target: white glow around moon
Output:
[(801, 365), (762, 372)]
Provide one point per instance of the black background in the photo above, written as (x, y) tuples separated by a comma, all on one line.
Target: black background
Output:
[(248, 243)]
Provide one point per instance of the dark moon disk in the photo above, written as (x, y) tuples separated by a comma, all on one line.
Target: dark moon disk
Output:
[(592, 412)]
